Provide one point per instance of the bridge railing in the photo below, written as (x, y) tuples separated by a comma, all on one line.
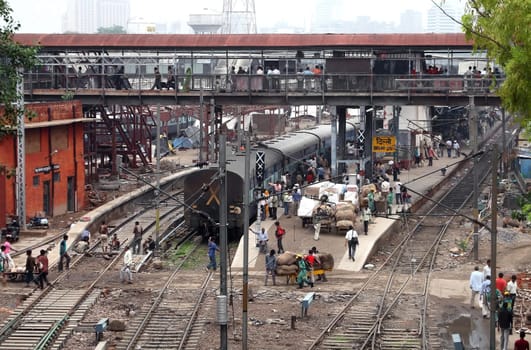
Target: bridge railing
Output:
[(94, 82), (476, 85)]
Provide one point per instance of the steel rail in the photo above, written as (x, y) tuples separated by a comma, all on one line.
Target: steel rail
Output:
[(396, 253), (140, 329), (11, 325)]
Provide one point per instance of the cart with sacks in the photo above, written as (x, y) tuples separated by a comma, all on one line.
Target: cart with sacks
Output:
[(287, 266)]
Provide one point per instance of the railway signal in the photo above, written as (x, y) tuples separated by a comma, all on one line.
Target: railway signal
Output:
[(260, 167)]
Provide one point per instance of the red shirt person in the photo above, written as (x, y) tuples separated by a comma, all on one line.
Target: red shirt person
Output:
[(501, 284), (521, 344)]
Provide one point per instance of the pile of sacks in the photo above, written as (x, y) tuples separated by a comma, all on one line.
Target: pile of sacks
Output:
[(365, 189), (324, 212), (345, 215), (287, 263)]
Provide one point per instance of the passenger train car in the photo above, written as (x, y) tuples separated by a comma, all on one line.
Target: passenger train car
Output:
[(282, 154)]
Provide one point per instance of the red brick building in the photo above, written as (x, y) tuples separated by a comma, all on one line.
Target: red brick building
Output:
[(55, 168)]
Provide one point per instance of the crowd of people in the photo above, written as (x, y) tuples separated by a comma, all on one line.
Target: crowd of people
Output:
[(505, 292)]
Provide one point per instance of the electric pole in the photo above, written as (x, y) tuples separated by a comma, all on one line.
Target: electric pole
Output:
[(21, 155), (222, 298), (246, 189), (333, 148), (157, 192), (493, 241), (473, 133)]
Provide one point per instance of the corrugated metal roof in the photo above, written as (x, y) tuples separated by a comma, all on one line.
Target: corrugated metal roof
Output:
[(243, 41)]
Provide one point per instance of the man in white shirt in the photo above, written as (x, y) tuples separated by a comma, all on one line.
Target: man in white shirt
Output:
[(512, 287), (476, 280), (449, 145), (262, 239), (351, 240), (125, 272), (398, 192), (486, 270)]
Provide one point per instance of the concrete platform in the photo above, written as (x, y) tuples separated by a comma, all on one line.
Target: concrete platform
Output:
[(299, 239)]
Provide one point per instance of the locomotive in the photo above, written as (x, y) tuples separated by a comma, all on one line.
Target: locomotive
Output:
[(282, 154)]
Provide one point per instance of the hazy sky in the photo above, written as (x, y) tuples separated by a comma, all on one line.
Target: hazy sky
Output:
[(44, 16)]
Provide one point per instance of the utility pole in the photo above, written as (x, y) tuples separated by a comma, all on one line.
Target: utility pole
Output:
[(202, 124), (493, 242), (157, 192), (212, 150), (473, 133), (222, 298), (246, 184), (396, 124), (21, 155), (333, 150), (504, 155)]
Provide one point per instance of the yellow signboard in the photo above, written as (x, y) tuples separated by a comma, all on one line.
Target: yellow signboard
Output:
[(384, 144)]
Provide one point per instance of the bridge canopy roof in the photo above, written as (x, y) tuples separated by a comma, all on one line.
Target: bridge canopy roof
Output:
[(201, 42)]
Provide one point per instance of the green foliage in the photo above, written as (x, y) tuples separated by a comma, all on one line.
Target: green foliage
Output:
[(13, 57), (463, 244), (525, 208), (187, 79), (112, 30), (68, 95), (503, 28)]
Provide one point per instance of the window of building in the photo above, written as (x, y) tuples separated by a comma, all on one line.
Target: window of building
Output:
[(36, 180), (56, 177)]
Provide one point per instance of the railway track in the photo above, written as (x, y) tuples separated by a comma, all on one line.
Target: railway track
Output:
[(395, 316), (170, 322), (45, 320)]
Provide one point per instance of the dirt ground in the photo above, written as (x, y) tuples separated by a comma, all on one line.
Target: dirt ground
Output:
[(272, 308)]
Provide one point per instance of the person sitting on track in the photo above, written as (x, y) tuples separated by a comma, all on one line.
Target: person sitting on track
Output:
[(115, 242)]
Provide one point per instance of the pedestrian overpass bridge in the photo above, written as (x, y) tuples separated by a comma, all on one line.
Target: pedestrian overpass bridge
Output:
[(352, 69)]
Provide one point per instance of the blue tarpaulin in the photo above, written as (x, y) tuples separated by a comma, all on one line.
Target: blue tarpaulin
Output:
[(182, 142)]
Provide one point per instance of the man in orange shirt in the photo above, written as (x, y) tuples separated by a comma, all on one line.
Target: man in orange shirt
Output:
[(501, 284)]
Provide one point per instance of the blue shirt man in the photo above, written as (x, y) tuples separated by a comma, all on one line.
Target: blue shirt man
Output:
[(212, 247), (63, 255)]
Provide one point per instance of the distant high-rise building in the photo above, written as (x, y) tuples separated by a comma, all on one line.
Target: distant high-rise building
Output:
[(86, 16), (324, 16), (410, 22), (439, 22)]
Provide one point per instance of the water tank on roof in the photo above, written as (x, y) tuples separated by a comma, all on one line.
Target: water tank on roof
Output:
[(206, 22)]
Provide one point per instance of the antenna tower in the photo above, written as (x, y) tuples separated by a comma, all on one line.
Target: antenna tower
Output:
[(239, 17)]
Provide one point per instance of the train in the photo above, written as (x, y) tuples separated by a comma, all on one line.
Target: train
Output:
[(283, 154)]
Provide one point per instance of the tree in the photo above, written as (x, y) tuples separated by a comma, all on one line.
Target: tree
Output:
[(502, 28), (112, 30), (12, 58)]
